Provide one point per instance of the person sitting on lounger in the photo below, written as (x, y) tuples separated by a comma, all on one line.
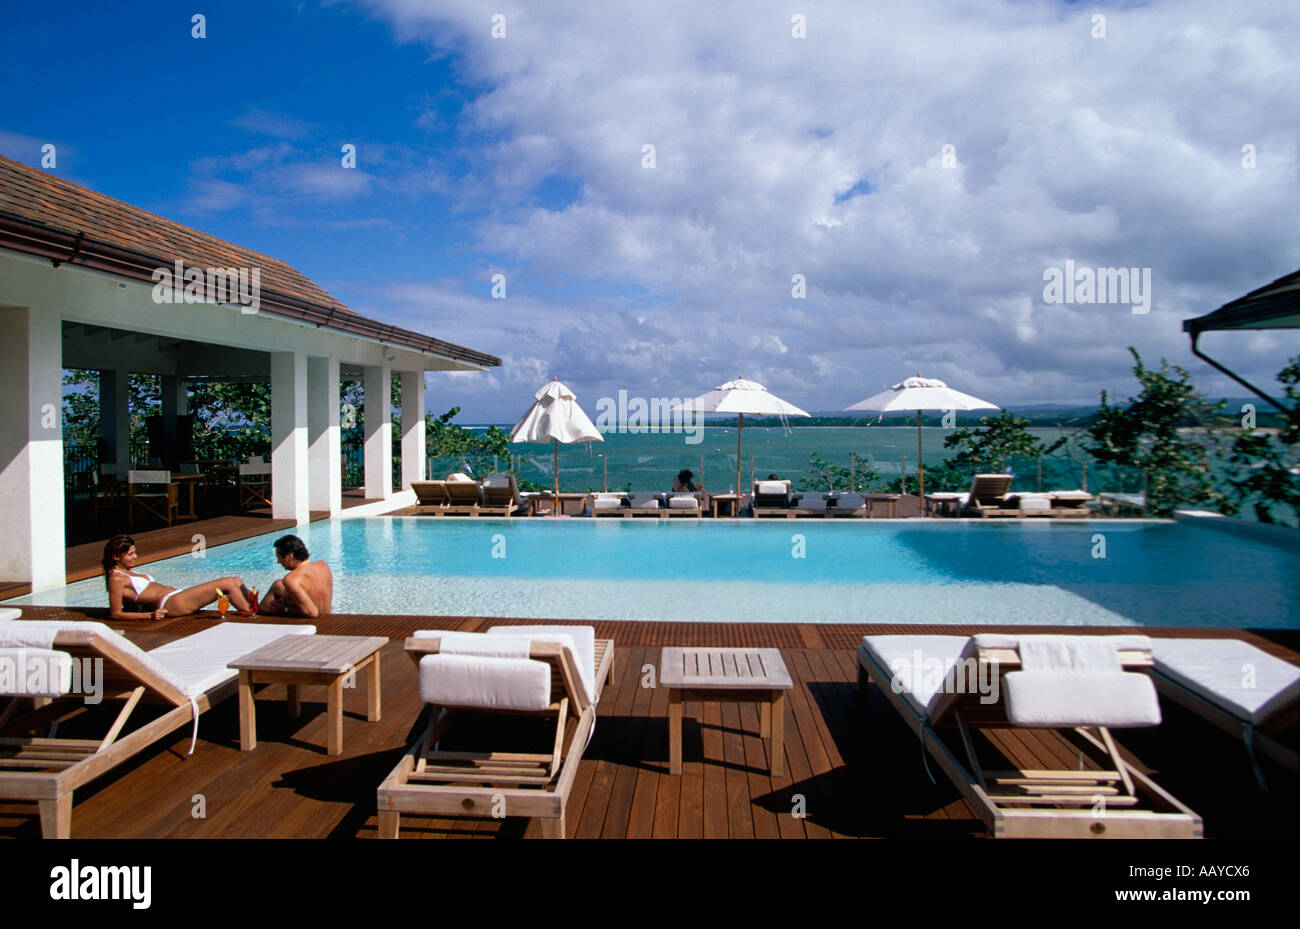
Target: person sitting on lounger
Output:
[(135, 595), (683, 483), (307, 590)]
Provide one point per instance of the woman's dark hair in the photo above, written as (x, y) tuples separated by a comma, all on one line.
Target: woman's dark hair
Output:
[(114, 549), (773, 477), (291, 545), (685, 476)]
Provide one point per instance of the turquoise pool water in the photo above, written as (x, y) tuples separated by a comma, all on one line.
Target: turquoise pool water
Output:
[(1153, 573), (779, 571)]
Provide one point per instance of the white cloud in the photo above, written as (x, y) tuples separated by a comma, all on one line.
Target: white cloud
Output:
[(1123, 151)]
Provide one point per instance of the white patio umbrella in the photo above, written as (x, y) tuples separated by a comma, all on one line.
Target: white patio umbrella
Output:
[(921, 393), (555, 417), (740, 397)]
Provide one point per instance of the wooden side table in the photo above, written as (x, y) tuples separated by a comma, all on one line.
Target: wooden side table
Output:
[(731, 502), (739, 675), (295, 660)]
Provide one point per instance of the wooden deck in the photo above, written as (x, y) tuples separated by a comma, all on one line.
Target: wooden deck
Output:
[(853, 766)]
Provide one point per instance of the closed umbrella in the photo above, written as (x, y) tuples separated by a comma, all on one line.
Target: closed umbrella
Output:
[(555, 417), (920, 393), (740, 397)]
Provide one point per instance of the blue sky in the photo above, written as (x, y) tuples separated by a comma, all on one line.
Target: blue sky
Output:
[(775, 155)]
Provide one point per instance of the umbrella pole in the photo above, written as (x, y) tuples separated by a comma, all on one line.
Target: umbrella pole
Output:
[(920, 465), (740, 424), (555, 451)]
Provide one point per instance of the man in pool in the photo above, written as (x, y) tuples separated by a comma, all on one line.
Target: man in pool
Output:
[(307, 590)]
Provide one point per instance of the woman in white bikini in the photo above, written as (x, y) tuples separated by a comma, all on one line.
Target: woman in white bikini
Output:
[(151, 600)]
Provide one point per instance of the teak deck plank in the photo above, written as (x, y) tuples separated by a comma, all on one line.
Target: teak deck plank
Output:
[(858, 768)]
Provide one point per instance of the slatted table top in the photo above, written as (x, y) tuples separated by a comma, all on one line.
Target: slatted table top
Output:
[(723, 669), (328, 654)]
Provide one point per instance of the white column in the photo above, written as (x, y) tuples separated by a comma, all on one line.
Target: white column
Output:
[(412, 427), (289, 436), (324, 468), (115, 418), (377, 385), (31, 447)]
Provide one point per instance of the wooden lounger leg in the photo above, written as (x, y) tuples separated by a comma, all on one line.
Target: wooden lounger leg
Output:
[(56, 817), (390, 822), (553, 828)]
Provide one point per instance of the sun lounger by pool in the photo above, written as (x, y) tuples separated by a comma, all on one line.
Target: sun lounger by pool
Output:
[(1072, 500), (857, 505), (643, 503), (1239, 688), (431, 495), (988, 496), (811, 503), (500, 495), (683, 504), (187, 677), (551, 673), (607, 503), (464, 498), (947, 688), (773, 498)]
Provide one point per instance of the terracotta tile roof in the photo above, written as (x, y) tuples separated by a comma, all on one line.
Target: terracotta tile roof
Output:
[(46, 215)]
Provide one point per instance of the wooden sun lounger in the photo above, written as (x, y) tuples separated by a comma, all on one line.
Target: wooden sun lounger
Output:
[(500, 499), (430, 496), (1111, 798), (1265, 716), (988, 496), (430, 782), (696, 511), (46, 770), (464, 498), (773, 504)]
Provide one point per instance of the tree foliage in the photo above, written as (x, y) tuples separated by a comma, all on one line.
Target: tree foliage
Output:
[(1147, 433), (1265, 471), (989, 448)]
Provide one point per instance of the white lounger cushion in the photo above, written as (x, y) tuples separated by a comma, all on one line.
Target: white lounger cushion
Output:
[(850, 502), (199, 661), (1056, 699), (580, 639), (773, 488), (917, 664), (643, 501), (812, 501), (1077, 680), (1218, 669), (485, 682), (1035, 502), (35, 672), (683, 502), (192, 665), (9, 613)]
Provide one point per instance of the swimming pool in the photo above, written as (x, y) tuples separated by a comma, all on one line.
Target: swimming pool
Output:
[(1153, 573)]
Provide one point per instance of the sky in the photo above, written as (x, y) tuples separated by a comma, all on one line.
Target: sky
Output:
[(838, 194)]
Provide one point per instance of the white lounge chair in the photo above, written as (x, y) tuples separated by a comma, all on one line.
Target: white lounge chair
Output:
[(1239, 688), (551, 672), (1071, 684), (682, 503), (500, 495), (642, 503), (811, 503), (608, 504), (187, 676)]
